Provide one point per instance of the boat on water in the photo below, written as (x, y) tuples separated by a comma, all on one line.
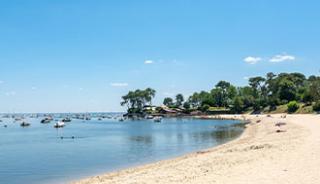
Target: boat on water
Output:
[(157, 119), (25, 124), (17, 119), (150, 117), (66, 120), (45, 120), (59, 124)]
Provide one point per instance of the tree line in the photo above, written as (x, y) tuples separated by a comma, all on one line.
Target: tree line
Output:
[(262, 92)]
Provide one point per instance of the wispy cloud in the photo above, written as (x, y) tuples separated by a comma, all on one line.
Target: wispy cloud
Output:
[(252, 60), (281, 58), (119, 84), (148, 62)]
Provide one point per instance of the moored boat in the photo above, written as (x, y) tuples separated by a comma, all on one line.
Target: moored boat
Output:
[(25, 124), (149, 117), (157, 119), (66, 120), (45, 120), (59, 124)]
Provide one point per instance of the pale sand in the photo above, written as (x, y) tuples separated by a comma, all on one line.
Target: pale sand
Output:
[(259, 156)]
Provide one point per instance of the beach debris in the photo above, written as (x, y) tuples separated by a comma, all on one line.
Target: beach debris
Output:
[(280, 124), (280, 131), (258, 121), (257, 147), (203, 152), (250, 148)]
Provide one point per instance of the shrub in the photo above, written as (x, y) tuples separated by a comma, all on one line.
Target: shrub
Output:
[(293, 106), (204, 108), (316, 106)]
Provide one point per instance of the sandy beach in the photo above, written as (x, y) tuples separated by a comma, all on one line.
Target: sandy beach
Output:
[(264, 154)]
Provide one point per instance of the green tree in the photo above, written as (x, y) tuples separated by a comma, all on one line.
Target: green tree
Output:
[(168, 102), (179, 100), (136, 100), (186, 105), (238, 105), (223, 93)]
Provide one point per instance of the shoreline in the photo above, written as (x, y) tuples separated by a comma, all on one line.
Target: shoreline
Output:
[(240, 160)]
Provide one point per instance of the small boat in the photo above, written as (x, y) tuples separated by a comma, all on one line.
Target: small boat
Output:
[(45, 120), (18, 119), (150, 117), (25, 124), (121, 119), (157, 119), (59, 124), (66, 120)]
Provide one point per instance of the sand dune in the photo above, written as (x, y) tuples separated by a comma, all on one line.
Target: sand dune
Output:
[(264, 154)]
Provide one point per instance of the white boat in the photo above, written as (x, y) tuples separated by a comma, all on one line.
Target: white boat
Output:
[(59, 125), (157, 119), (67, 119), (45, 120), (150, 117)]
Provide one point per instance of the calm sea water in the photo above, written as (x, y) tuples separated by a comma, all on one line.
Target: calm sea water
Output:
[(37, 154)]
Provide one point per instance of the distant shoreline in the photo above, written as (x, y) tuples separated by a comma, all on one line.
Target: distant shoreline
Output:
[(261, 152)]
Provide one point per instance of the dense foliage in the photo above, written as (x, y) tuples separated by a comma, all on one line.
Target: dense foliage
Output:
[(261, 94), (136, 100), (316, 106), (293, 106)]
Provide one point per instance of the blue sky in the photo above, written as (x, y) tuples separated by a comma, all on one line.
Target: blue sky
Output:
[(77, 55)]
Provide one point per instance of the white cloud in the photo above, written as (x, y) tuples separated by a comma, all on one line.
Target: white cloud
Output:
[(281, 58), (119, 84), (148, 62), (252, 60)]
